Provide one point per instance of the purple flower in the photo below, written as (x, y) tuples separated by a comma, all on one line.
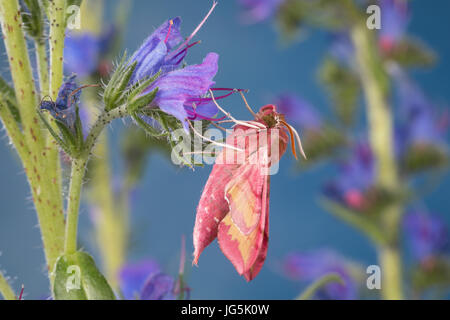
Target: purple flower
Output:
[(311, 266), (64, 108), (153, 55), (419, 120), (426, 234), (356, 175), (298, 111), (159, 286), (394, 20), (342, 48), (259, 10), (145, 281), (178, 89), (83, 52)]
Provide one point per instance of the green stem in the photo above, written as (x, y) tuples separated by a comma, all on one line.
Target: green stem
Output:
[(5, 289), (312, 289), (57, 12), (77, 175), (390, 262), (42, 65), (33, 153), (21, 73), (73, 205), (381, 133)]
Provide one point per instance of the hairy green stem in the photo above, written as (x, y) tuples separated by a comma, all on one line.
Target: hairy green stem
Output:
[(77, 175), (35, 158), (5, 289), (42, 65), (56, 15), (317, 285), (73, 205), (381, 136)]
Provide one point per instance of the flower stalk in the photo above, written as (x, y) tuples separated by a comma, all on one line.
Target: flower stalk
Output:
[(73, 205), (77, 175), (381, 137), (5, 289), (29, 140)]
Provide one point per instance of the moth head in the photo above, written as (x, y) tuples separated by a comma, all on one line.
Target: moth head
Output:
[(272, 119)]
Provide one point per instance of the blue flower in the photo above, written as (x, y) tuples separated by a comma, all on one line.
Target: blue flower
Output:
[(427, 235), (181, 91), (159, 286), (145, 281), (342, 48), (418, 120), (178, 89), (64, 108), (83, 52), (394, 20), (259, 10), (355, 177), (298, 111), (153, 55), (311, 266)]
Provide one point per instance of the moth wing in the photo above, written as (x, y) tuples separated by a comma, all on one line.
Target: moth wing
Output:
[(213, 207), (243, 233)]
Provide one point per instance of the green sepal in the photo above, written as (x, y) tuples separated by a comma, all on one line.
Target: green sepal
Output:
[(57, 138), (115, 90), (146, 127), (78, 278), (136, 103)]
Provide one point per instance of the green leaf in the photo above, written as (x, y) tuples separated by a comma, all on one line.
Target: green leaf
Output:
[(344, 88), (58, 139), (77, 278), (412, 53)]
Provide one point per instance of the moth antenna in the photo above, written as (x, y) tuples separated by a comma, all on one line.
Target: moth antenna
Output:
[(246, 103), (243, 123), (78, 89), (297, 137), (212, 141), (291, 136), (220, 127)]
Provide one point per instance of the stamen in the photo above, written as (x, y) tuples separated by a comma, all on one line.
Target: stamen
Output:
[(78, 89), (21, 292), (194, 115), (168, 32), (185, 43), (184, 51), (212, 141)]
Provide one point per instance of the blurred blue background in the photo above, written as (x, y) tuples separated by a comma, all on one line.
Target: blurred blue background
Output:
[(164, 207)]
